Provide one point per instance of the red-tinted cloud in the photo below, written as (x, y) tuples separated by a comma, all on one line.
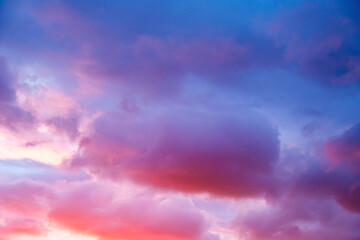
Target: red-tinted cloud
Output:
[(224, 155)]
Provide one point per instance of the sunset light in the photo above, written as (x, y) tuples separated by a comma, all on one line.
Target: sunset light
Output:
[(179, 120)]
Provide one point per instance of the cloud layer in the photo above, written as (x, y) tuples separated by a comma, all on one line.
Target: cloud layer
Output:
[(206, 120)]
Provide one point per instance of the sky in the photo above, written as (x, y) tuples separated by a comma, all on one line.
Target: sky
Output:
[(179, 120)]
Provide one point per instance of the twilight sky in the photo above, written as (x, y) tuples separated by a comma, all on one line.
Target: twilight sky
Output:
[(179, 120)]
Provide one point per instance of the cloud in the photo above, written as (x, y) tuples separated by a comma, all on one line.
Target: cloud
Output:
[(183, 100), (96, 209), (66, 125), (165, 62), (345, 149), (23, 226), (15, 118), (23, 207), (341, 180), (341, 185), (321, 40), (190, 151), (12, 116), (139, 57), (322, 179), (7, 93), (299, 218)]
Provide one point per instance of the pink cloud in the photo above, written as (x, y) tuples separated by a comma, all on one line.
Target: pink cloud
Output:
[(92, 209), (96, 209), (23, 226), (23, 208)]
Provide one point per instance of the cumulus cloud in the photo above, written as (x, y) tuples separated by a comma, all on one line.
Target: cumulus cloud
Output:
[(226, 155)]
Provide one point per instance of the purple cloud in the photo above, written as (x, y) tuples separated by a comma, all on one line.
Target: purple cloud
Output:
[(12, 116), (345, 149), (224, 155)]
